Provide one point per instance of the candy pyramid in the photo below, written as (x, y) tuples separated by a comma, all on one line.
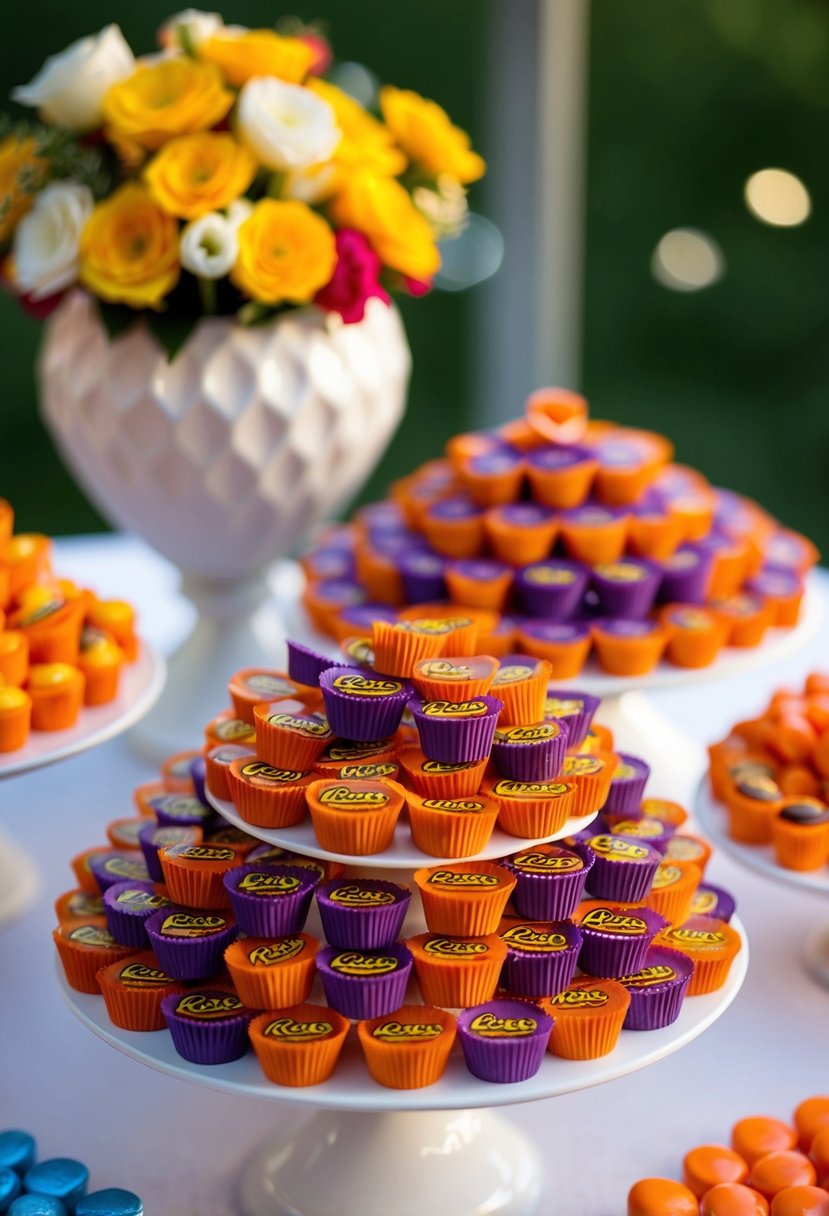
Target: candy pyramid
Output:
[(564, 536)]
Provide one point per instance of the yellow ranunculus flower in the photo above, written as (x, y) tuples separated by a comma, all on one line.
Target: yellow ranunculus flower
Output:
[(129, 249), (428, 137), (163, 99), (286, 253), (367, 145), (258, 53), (381, 208), (195, 174), (16, 155)]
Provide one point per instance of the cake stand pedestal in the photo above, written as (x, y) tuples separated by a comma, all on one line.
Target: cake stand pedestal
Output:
[(142, 683), (711, 817)]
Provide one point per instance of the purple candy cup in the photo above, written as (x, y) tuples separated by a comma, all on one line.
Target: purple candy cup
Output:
[(541, 957), (329, 563), (626, 588), (457, 506), (181, 810), (530, 753), (449, 736), (685, 575), (504, 1041), (306, 665), (362, 616), (209, 1026), (573, 709), (115, 866), (550, 881), (198, 771), (358, 717), (270, 900), (774, 581), (713, 901), (340, 593), (657, 989), (538, 629), (152, 837), (628, 785), (624, 868), (642, 828), (365, 984), (616, 939), (362, 913), (551, 589), (127, 908), (190, 944), (421, 573)]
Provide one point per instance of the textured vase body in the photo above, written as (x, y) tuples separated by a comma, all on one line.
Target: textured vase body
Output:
[(223, 459)]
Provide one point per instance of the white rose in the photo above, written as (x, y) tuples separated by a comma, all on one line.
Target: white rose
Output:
[(209, 246), (69, 89), (239, 210), (310, 185), (47, 239), (188, 29), (285, 126)]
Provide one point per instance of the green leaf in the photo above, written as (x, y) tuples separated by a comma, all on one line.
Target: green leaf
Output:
[(172, 330), (116, 318)]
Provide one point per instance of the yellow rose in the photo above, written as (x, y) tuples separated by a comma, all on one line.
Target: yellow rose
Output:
[(240, 56), (286, 253), (16, 157), (380, 208), (129, 249), (428, 137), (163, 99), (195, 174), (366, 146)]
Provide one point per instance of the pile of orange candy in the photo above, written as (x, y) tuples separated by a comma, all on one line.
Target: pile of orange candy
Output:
[(60, 646), (772, 774), (771, 1169)]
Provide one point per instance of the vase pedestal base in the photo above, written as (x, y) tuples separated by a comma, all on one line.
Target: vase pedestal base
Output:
[(238, 624), (339, 1163)]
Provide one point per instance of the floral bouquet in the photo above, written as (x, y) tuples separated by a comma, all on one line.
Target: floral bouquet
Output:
[(223, 174)]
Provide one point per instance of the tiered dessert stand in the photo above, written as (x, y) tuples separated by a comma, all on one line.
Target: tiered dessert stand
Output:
[(710, 816), (380, 1151), (141, 685)]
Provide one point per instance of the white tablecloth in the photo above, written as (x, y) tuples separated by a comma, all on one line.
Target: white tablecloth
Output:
[(179, 1145)]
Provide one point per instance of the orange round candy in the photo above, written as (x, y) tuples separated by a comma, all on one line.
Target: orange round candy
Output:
[(710, 1164), (661, 1197), (819, 1152), (780, 1169), (732, 1199), (757, 1135), (800, 1201), (809, 1117)]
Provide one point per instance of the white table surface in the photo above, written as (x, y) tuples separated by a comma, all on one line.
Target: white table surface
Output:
[(179, 1145)]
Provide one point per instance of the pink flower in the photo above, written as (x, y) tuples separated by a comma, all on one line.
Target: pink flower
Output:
[(355, 278), (320, 45), (417, 287)]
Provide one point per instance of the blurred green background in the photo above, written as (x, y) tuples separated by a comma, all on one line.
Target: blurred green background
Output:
[(685, 101)]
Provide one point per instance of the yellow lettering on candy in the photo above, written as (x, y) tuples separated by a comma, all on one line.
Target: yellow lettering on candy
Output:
[(343, 795), (609, 921), (363, 686), (455, 878), (353, 896), (354, 962), (276, 952), (455, 709), (445, 947), (402, 1032), (488, 1026), (259, 882)]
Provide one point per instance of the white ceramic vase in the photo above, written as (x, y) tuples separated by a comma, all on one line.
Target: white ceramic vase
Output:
[(222, 459)]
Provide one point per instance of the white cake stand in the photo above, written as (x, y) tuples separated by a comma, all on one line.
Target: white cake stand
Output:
[(439, 1149), (711, 816), (378, 1151), (141, 685)]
